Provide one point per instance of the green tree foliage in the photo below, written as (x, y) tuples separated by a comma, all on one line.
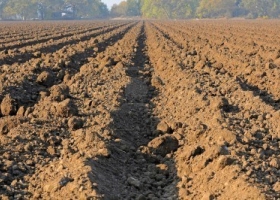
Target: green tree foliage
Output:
[(182, 9), (119, 10), (126, 8), (47, 7), (97, 9), (214, 8), (27, 9), (133, 8), (156, 9), (20, 8), (3, 4), (262, 8), (169, 8)]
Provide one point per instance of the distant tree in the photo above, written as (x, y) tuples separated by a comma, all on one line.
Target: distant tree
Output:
[(94, 9), (157, 9), (275, 9), (216, 8), (187, 8), (154, 9), (22, 9), (2, 6), (54, 5), (133, 8), (75, 7), (169, 9), (262, 8), (182, 8), (119, 10)]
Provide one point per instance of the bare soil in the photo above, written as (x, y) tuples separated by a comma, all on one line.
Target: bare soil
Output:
[(140, 110)]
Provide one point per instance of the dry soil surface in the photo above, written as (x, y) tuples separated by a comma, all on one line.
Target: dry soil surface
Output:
[(140, 110)]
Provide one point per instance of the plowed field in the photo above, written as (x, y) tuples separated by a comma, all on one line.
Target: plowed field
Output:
[(140, 110)]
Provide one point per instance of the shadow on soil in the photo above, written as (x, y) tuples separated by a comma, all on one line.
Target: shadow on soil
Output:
[(264, 95), (129, 173), (20, 58), (22, 94)]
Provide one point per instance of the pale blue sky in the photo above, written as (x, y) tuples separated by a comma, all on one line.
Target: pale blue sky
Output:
[(111, 2)]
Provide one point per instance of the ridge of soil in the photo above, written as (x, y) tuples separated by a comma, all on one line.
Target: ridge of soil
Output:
[(140, 110)]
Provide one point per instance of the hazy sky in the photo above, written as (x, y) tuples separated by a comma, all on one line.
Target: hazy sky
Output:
[(111, 2)]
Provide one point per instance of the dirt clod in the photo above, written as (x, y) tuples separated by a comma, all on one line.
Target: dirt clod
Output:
[(163, 127), (163, 145), (75, 123), (65, 108), (59, 92), (8, 106), (46, 78)]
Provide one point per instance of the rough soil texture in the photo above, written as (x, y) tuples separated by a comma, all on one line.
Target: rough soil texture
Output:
[(140, 110)]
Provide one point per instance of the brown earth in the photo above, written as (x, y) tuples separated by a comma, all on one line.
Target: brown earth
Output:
[(140, 110)]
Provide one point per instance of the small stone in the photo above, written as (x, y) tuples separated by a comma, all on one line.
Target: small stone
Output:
[(224, 150), (65, 180), (134, 182)]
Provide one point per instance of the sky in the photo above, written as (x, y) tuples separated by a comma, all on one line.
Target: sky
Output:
[(111, 2)]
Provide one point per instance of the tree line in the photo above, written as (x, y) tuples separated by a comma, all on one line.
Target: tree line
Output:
[(155, 9), (184, 9), (52, 9)]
